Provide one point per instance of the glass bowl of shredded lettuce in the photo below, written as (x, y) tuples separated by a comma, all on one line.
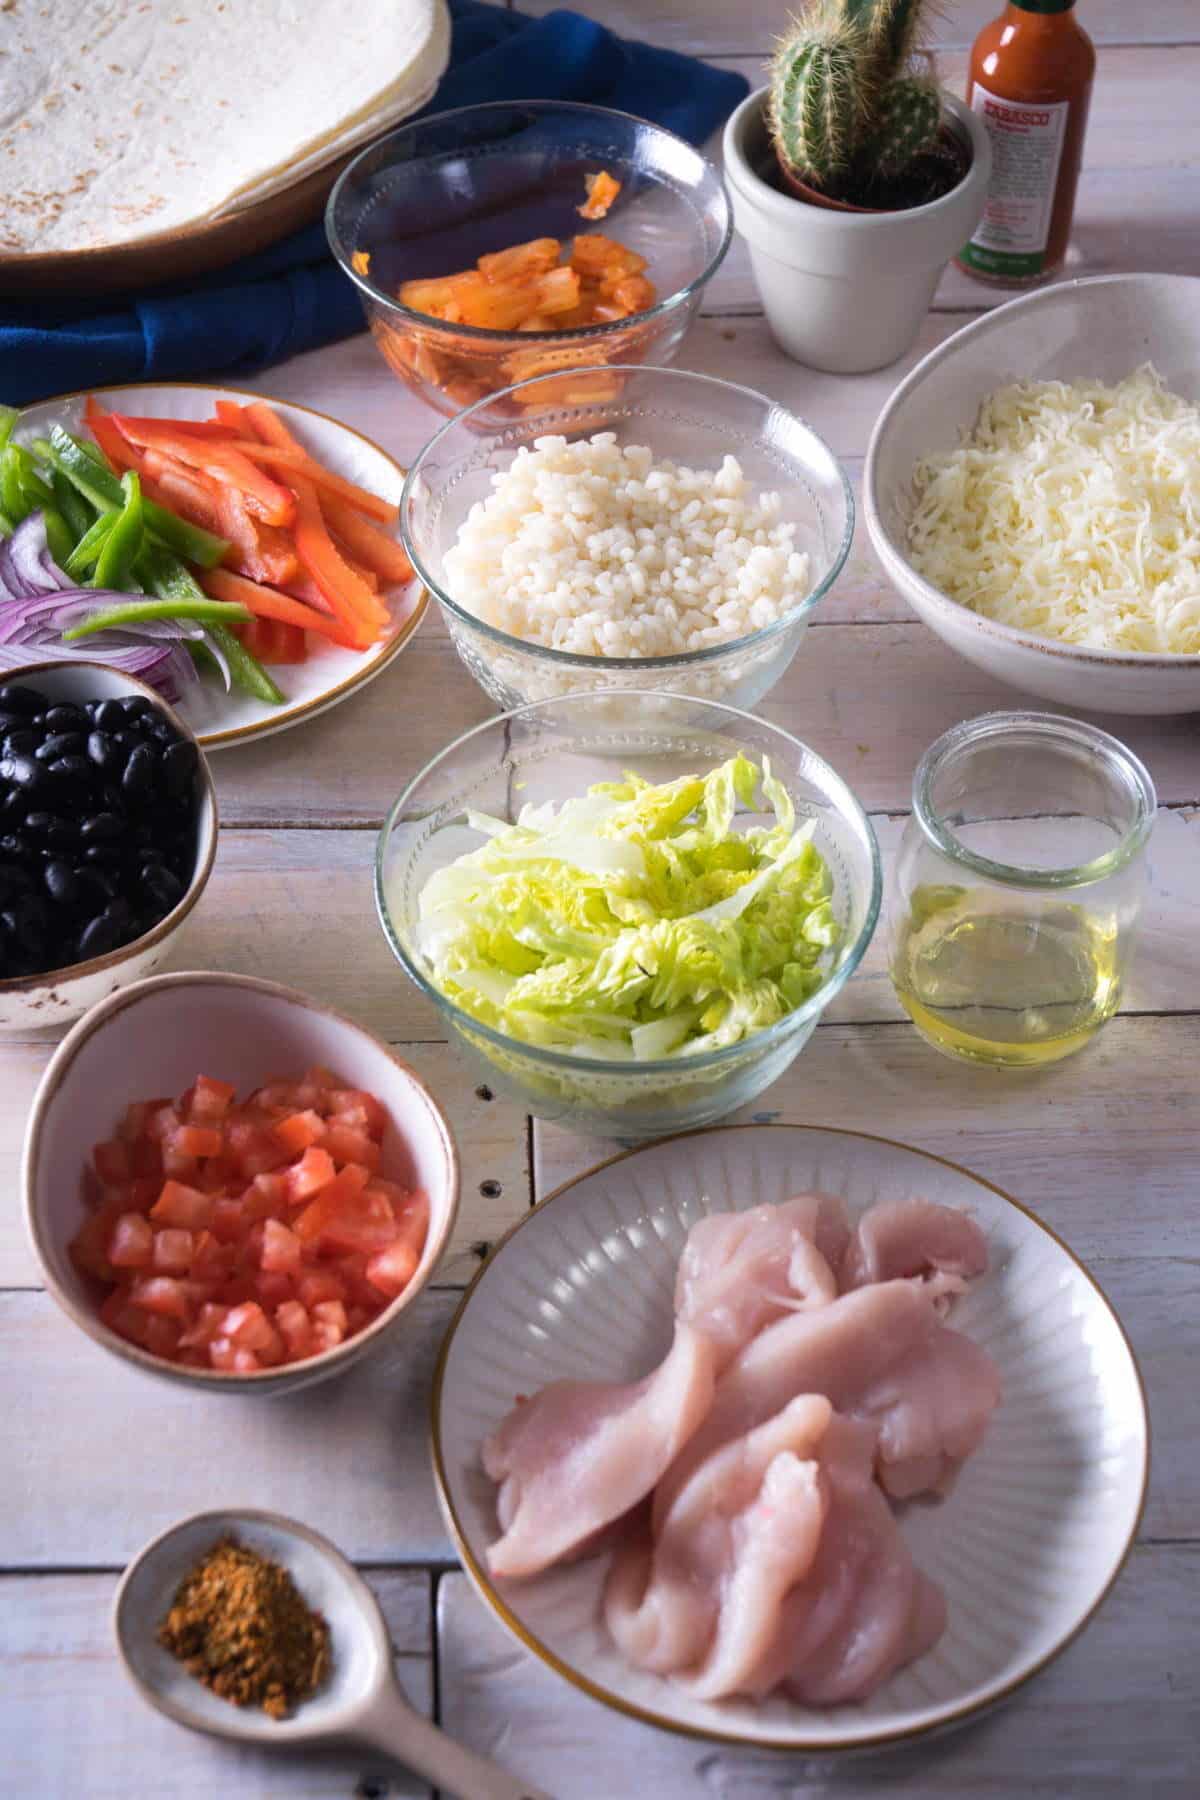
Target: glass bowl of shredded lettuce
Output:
[(631, 908)]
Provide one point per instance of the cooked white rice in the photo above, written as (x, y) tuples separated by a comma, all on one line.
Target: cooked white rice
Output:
[(595, 548)]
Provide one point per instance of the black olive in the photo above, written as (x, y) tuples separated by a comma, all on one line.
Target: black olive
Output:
[(14, 880), (107, 856), (26, 920), (101, 827), (110, 715), (166, 888), (98, 938), (105, 752), (65, 717), (23, 772), (15, 698), (140, 772), (179, 768), (95, 884), (52, 828), (60, 743), (61, 883)]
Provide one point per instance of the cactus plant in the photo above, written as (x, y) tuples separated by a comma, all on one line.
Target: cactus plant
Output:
[(847, 111)]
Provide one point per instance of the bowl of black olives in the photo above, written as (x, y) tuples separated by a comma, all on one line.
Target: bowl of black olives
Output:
[(108, 829)]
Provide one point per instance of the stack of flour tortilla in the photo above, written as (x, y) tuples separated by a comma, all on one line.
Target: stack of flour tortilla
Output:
[(120, 119)]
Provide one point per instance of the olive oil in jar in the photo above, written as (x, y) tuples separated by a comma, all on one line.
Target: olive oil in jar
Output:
[(998, 978)]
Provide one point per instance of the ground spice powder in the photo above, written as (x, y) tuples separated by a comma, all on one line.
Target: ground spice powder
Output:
[(240, 1625)]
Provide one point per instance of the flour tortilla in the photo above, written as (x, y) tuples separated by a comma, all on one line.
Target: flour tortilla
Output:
[(120, 119)]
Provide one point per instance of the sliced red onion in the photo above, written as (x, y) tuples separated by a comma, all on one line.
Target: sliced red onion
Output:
[(38, 602)]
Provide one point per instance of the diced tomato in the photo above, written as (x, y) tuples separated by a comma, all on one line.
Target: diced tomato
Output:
[(162, 1121), (224, 1354), (145, 1158), (347, 1144), (300, 1129), (280, 1248), (112, 1162), (177, 1162), (249, 1326), (313, 1172), (207, 1324), (318, 1285), (293, 1323), (196, 1140), (265, 1254), (131, 1245), (392, 1268), (328, 1324), (209, 1100), (173, 1250), (227, 1221), (361, 1108), (161, 1294), (135, 1119), (182, 1206), (273, 1290)]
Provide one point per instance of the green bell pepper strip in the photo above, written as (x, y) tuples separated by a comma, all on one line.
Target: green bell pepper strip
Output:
[(114, 565), (71, 504), (164, 575), (6, 525), (59, 541), (99, 485), (133, 612), (11, 496), (246, 670), (82, 559)]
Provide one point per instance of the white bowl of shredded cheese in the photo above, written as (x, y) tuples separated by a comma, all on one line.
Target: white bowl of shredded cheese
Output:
[(1033, 490), (669, 532)]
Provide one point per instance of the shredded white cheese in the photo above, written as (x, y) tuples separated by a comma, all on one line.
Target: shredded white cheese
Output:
[(1071, 510)]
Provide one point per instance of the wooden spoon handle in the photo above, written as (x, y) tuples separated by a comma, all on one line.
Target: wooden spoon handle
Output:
[(391, 1725)]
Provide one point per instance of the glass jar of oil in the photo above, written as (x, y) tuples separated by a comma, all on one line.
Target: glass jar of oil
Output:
[(1016, 889)]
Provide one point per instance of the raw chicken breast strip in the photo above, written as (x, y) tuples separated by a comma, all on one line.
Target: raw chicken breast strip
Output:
[(862, 1610), (580, 1454), (740, 1271), (936, 1247), (662, 1600), (880, 1354)]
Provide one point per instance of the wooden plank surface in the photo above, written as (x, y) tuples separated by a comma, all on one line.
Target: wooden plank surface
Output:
[(700, 28), (1104, 1147), (1067, 1734), (84, 1734)]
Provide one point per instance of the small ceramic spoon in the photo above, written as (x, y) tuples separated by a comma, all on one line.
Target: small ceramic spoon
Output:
[(361, 1697)]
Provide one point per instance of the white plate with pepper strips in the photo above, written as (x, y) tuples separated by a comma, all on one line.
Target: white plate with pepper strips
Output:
[(238, 553)]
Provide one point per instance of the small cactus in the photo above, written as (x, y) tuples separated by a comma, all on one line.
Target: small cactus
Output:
[(906, 123), (845, 109), (812, 110)]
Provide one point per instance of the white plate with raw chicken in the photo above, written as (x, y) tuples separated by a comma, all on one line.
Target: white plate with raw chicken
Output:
[(854, 1474)]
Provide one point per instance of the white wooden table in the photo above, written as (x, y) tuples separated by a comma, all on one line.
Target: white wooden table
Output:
[(1106, 1147)]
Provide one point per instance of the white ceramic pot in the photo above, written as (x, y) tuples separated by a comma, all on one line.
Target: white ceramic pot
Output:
[(846, 291)]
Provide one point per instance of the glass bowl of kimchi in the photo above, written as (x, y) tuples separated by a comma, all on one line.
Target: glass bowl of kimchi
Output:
[(496, 243)]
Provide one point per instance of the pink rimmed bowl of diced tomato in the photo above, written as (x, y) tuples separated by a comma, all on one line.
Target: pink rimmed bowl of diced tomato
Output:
[(232, 1186)]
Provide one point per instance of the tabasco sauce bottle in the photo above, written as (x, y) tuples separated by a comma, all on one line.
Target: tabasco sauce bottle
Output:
[(1031, 80)]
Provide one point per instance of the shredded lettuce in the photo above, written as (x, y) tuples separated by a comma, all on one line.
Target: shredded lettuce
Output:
[(634, 923)]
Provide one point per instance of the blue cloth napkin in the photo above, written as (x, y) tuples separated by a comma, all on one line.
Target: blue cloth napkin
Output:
[(293, 296)]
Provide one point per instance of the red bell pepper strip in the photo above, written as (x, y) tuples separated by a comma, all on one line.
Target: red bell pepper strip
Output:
[(366, 543), (351, 599), (292, 462), (269, 603), (223, 462)]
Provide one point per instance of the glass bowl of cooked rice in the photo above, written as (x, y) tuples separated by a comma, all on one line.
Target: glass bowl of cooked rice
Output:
[(634, 528)]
